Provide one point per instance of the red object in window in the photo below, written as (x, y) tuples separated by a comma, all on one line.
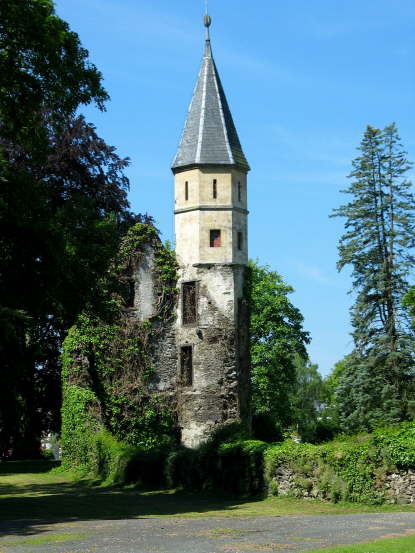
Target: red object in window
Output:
[(215, 241)]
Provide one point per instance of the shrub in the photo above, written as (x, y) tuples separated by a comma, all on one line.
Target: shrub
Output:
[(47, 454), (111, 458), (265, 429), (231, 467)]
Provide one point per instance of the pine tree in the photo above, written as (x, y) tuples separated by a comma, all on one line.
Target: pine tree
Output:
[(378, 243)]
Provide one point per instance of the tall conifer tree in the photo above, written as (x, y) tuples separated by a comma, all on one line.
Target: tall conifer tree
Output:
[(378, 244)]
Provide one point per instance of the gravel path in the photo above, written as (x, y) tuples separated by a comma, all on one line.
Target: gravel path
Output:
[(290, 534)]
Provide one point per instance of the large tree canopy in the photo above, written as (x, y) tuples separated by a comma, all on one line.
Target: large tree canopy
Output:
[(375, 387), (276, 335), (60, 224), (63, 207), (42, 66)]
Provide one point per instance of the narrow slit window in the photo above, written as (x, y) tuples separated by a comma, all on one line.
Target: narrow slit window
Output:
[(240, 241), (215, 189), (186, 366), (189, 302), (186, 190), (130, 293), (239, 192), (215, 238)]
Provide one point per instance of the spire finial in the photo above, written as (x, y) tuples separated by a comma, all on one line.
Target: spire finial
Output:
[(207, 20)]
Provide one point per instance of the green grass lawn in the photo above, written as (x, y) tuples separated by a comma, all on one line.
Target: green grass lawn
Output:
[(397, 545), (36, 490)]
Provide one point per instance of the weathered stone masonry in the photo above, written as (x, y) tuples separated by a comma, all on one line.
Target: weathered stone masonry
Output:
[(210, 172), (398, 486), (217, 391)]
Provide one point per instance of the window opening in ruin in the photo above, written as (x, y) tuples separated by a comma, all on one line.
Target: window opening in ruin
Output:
[(186, 190), (239, 192), (215, 189), (189, 302), (240, 307), (240, 241), (129, 302), (186, 366), (215, 239)]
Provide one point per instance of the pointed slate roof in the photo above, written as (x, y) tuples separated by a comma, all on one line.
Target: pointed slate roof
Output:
[(209, 136)]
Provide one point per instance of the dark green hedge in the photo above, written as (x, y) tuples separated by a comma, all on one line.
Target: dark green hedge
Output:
[(235, 467)]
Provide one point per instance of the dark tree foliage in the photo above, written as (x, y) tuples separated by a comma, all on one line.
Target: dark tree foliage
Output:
[(376, 386), (409, 302), (42, 66), (309, 399), (60, 224), (276, 334), (63, 207), (331, 385)]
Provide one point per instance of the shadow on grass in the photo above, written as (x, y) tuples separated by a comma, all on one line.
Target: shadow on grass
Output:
[(24, 506), (22, 467)]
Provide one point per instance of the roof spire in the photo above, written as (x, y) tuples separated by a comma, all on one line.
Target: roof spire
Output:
[(207, 20), (209, 136)]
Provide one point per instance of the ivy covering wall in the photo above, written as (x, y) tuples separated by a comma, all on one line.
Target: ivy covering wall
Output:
[(352, 469), (109, 411)]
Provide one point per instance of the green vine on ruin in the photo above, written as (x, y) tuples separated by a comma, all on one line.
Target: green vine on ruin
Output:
[(106, 361)]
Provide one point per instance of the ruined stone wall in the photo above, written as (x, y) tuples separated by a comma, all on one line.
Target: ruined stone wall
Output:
[(216, 391), (115, 361), (219, 391), (148, 295), (397, 486)]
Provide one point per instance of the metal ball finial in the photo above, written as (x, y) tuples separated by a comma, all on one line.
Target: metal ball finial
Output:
[(207, 20)]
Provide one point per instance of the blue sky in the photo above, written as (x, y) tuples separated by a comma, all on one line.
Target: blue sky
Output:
[(303, 80)]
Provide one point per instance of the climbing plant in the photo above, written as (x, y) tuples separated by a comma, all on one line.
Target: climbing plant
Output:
[(107, 368)]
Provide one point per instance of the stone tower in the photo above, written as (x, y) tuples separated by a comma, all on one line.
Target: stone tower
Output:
[(210, 172)]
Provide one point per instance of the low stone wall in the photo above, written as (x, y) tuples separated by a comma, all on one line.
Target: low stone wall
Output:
[(287, 482), (398, 486)]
